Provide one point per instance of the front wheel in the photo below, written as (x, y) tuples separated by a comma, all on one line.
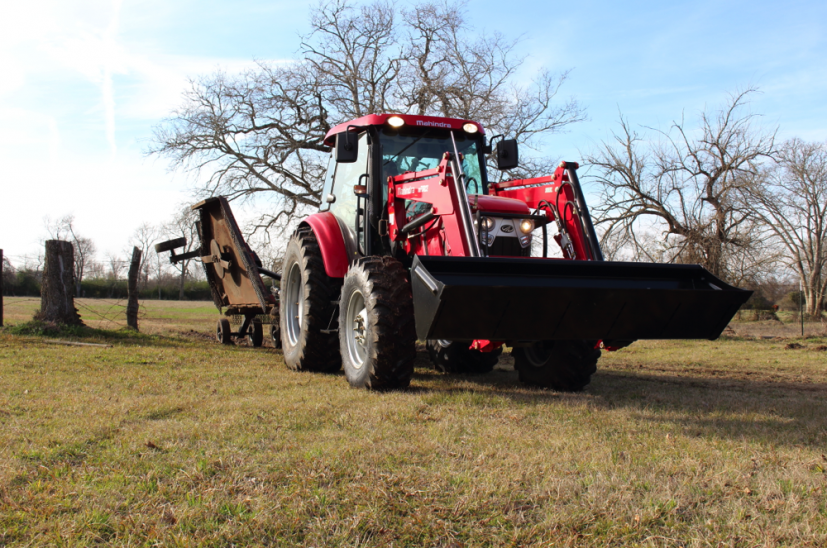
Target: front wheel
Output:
[(457, 357), (562, 365), (377, 335)]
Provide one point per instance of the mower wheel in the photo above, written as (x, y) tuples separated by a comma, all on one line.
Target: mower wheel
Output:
[(562, 365), (169, 245), (275, 335), (377, 334), (306, 307), (223, 333), (456, 357), (255, 333)]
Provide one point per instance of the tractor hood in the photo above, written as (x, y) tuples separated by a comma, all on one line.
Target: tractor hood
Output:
[(497, 204)]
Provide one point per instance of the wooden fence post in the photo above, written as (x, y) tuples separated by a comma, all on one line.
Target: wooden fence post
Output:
[(57, 303), (132, 288)]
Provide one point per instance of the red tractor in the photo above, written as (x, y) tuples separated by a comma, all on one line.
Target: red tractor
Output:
[(412, 241)]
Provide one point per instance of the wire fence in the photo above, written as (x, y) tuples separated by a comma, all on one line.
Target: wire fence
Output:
[(110, 316)]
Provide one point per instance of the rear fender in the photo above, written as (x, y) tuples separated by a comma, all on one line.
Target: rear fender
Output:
[(337, 250)]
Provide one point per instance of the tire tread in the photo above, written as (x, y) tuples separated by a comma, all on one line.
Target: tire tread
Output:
[(568, 369), (317, 351), (392, 349)]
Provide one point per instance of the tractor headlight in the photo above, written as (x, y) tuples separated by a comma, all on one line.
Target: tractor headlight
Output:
[(470, 128), (527, 226), (487, 224), (396, 121)]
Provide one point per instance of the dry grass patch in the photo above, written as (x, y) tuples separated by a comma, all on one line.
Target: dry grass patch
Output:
[(176, 441), (156, 317)]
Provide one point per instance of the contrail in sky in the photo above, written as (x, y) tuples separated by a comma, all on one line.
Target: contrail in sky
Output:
[(106, 85)]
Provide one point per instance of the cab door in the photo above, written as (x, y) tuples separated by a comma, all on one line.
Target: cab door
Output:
[(338, 196)]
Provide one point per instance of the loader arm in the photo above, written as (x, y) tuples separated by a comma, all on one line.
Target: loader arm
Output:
[(439, 230), (559, 196)]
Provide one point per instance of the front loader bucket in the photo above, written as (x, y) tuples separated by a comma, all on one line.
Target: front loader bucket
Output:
[(529, 299)]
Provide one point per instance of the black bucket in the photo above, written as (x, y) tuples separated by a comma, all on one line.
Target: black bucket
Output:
[(531, 299)]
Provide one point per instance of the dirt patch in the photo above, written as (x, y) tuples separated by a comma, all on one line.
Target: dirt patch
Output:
[(794, 346), (200, 335), (821, 348)]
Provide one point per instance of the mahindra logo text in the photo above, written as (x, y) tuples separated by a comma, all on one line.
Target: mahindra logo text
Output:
[(433, 124)]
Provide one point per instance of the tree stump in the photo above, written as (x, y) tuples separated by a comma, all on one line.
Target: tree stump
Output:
[(132, 300), (57, 303)]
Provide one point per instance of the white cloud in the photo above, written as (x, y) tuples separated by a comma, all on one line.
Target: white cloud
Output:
[(81, 89)]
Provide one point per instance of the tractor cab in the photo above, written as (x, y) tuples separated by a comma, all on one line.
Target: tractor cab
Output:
[(370, 150)]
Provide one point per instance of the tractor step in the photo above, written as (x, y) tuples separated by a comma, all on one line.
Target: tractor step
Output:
[(530, 299)]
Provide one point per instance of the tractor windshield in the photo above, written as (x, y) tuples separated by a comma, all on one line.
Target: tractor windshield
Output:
[(419, 150)]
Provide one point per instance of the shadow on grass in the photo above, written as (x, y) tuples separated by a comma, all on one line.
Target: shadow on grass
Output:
[(782, 412), (82, 333)]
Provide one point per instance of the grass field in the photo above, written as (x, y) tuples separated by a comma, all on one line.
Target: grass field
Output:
[(168, 439)]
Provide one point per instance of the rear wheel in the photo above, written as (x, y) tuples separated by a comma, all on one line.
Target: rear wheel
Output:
[(377, 336), (306, 307), (255, 333), (223, 332), (457, 357), (562, 365), (275, 335)]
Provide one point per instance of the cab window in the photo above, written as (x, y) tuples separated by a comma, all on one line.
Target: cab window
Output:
[(418, 150), (346, 176)]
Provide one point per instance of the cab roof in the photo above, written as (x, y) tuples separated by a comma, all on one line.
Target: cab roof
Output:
[(410, 120)]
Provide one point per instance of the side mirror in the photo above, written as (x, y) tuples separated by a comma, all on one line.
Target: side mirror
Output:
[(506, 153), (347, 147)]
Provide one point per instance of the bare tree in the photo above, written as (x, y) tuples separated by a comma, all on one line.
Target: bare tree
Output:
[(261, 133), (143, 238), (452, 71), (84, 248), (791, 199), (353, 56), (8, 272), (686, 187), (96, 271), (183, 226), (116, 266)]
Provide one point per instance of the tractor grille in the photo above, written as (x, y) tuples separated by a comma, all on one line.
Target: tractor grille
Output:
[(509, 247)]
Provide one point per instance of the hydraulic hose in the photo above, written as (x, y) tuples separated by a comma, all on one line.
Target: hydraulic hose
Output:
[(585, 217)]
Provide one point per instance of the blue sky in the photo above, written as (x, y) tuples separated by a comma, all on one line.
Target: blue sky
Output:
[(82, 83)]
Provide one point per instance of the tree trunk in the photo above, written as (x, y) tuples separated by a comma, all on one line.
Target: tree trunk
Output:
[(180, 283), (132, 288), (57, 303)]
